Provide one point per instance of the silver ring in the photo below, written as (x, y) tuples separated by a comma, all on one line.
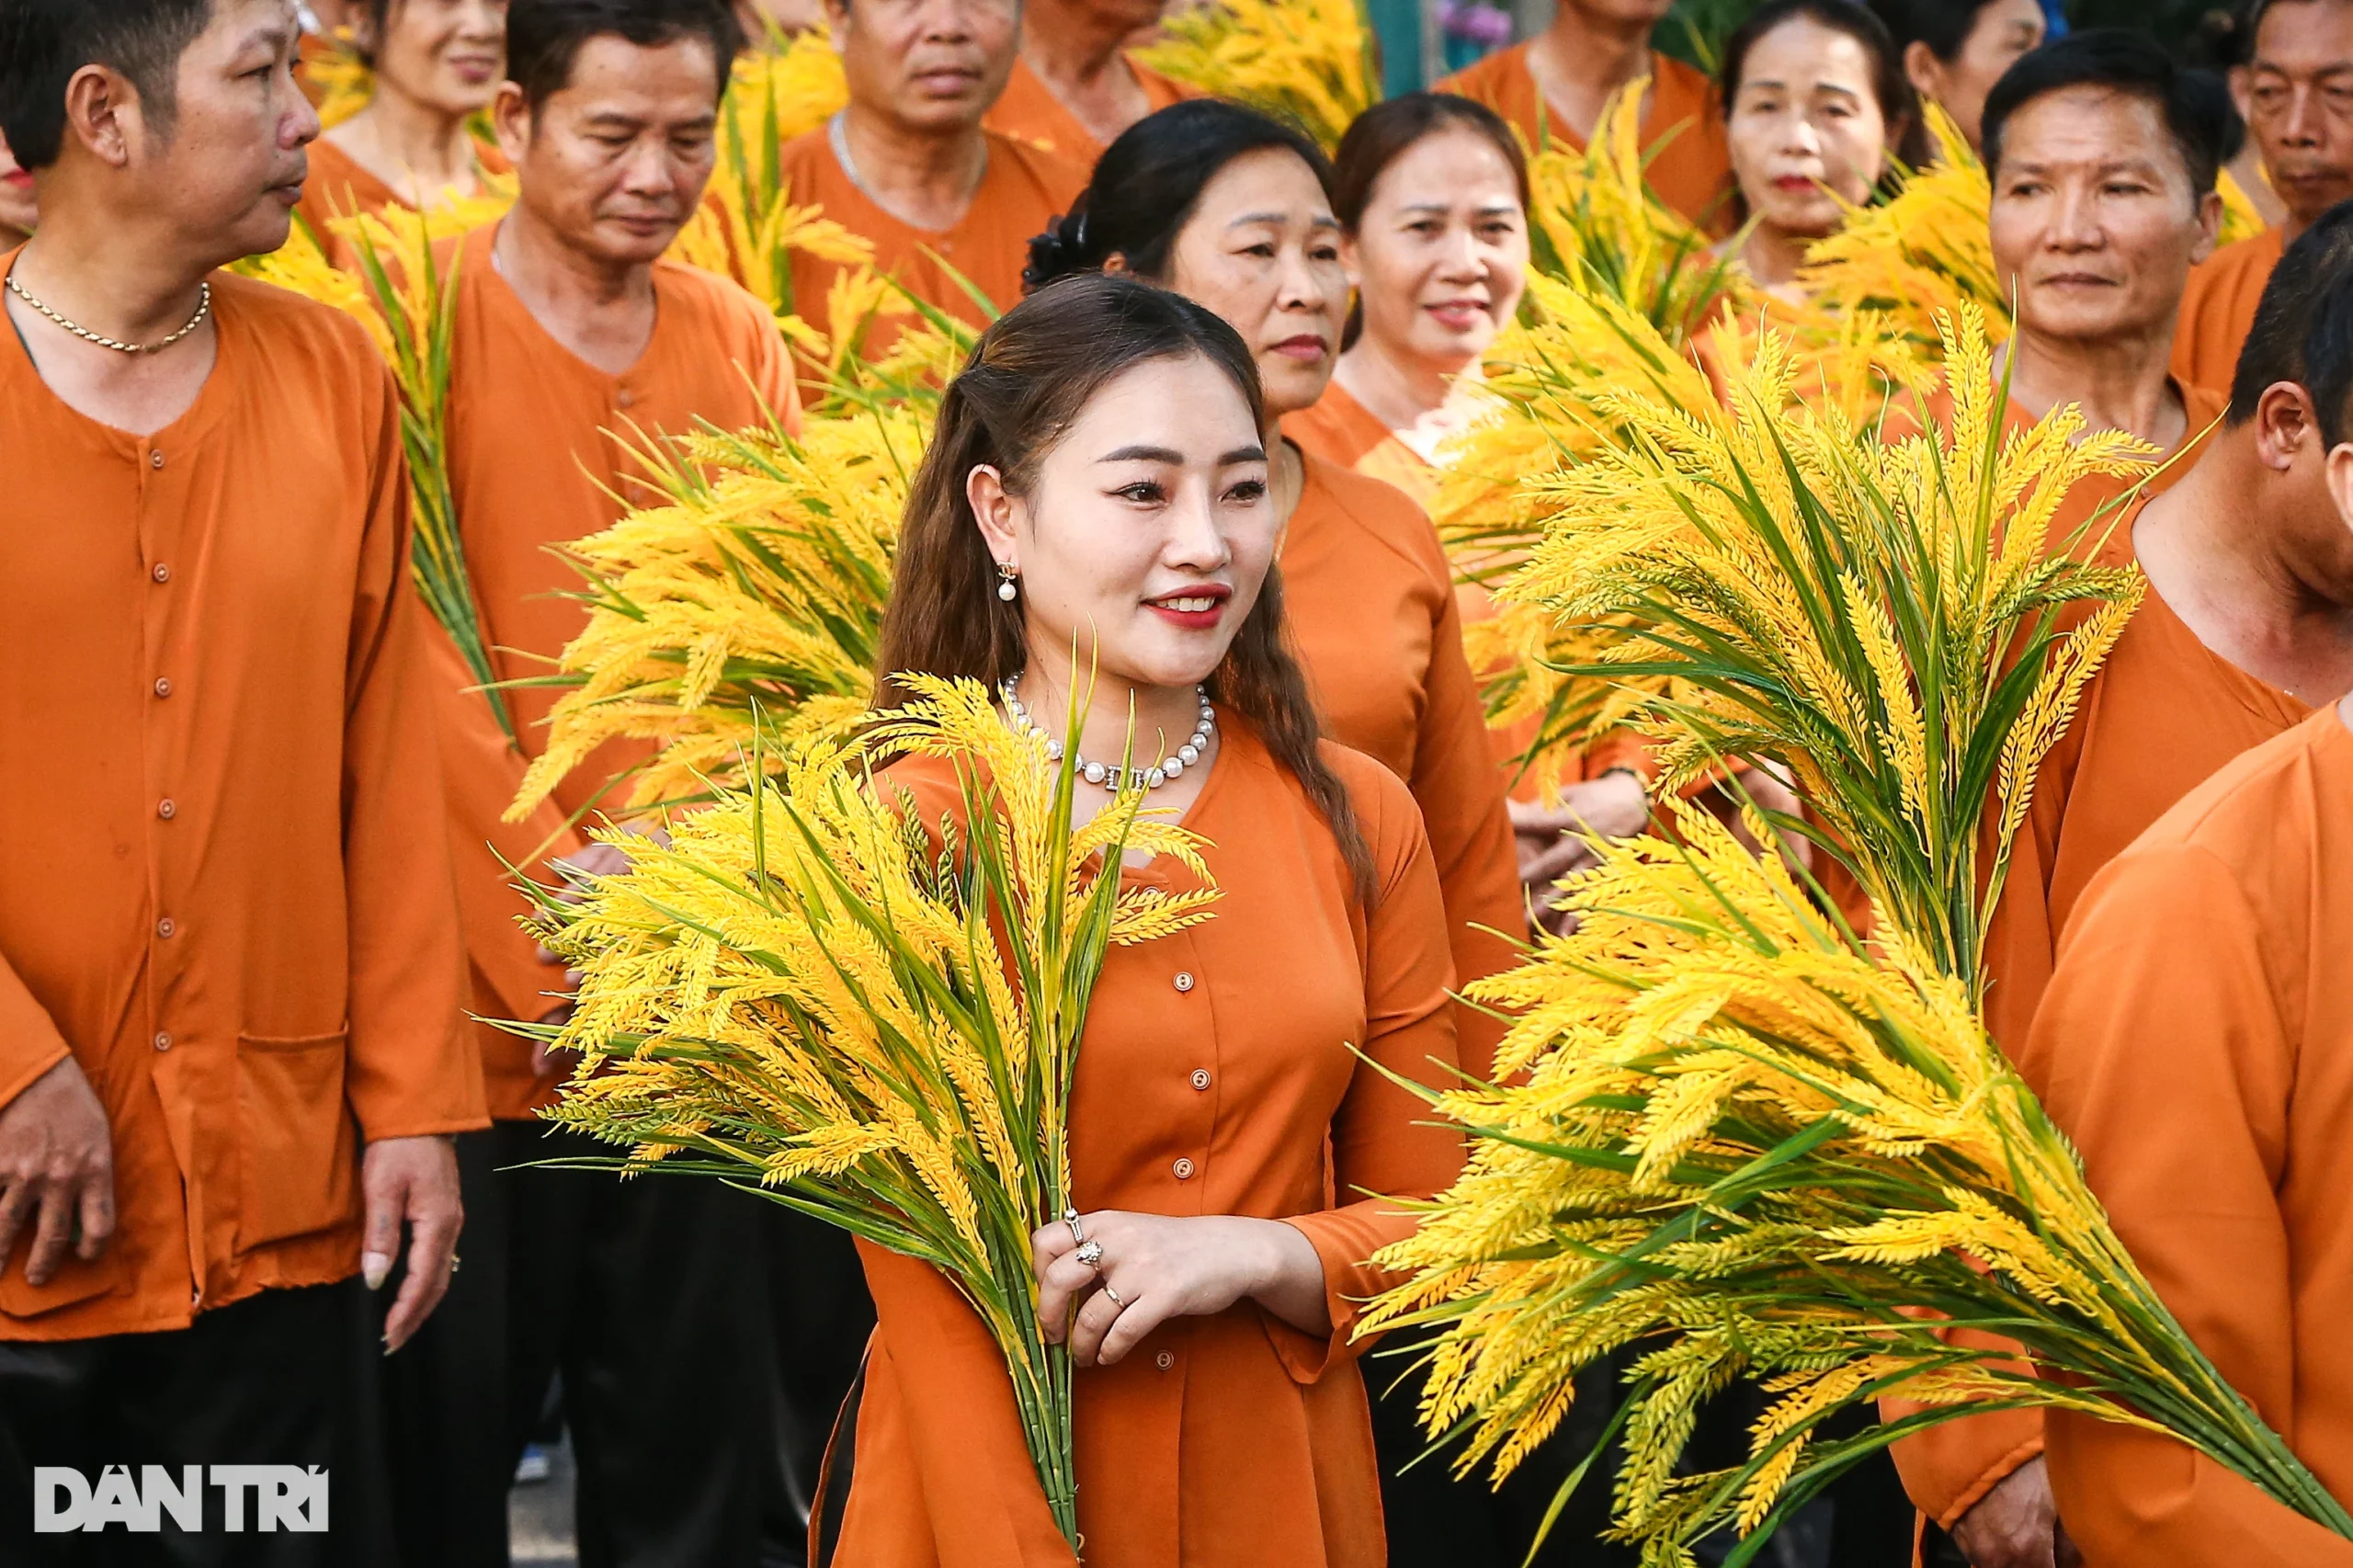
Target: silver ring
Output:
[(1070, 1218), (1090, 1254), (1117, 1300)]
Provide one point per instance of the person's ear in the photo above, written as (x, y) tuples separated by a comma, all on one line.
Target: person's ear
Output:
[(1352, 260), (2286, 426), (1924, 70), (1116, 265), (838, 22), (104, 114), (512, 121), (998, 512), (2340, 480), (2209, 226)]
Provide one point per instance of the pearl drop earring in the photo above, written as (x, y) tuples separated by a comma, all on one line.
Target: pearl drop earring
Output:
[(1004, 588)]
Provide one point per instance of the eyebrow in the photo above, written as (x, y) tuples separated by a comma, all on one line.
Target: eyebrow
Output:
[(1441, 208), (1321, 221), (1171, 456), (1779, 86)]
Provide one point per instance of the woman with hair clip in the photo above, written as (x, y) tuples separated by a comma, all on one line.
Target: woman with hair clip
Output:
[(1094, 516), (1815, 104), (437, 64), (1233, 212), (1431, 192)]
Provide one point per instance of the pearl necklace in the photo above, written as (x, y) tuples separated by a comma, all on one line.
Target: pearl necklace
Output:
[(1110, 775), (203, 308)]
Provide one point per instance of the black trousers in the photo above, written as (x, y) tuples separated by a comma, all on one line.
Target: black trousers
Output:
[(284, 1378), (823, 1317), (649, 1299)]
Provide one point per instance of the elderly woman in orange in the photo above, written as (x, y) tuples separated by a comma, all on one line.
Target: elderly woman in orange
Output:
[(437, 64), (1815, 103), (1233, 211), (1431, 192), (1101, 458)]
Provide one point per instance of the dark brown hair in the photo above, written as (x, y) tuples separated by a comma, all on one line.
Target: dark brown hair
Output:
[(1030, 378), (1386, 132), (1147, 183)]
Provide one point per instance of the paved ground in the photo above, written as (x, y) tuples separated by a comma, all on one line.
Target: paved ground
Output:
[(539, 1516)]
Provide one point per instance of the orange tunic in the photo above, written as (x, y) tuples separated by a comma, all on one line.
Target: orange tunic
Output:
[(2164, 714), (2218, 308), (1371, 610), (2198, 1046), (1683, 130), (532, 456), (1236, 1441), (1027, 111), (1346, 433), (215, 762), (1023, 189)]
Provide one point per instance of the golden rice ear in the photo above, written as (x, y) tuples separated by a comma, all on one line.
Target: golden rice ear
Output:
[(1312, 64)]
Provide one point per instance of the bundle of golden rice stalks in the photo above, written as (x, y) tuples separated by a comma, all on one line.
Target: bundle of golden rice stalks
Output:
[(1312, 63), (1594, 223), (341, 81), (1891, 619), (1921, 254), (1744, 1150), (814, 992), (741, 612)]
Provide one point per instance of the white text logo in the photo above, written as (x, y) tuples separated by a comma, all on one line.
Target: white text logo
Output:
[(285, 1497)]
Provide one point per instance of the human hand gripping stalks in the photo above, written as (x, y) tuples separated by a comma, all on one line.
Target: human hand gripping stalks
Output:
[(872, 1018), (1729, 1136)]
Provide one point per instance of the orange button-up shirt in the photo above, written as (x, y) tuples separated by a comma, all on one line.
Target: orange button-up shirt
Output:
[(2163, 715), (1369, 601), (1027, 111), (534, 465), (1214, 1077), (225, 896), (1022, 190), (2197, 1044), (1683, 128), (2218, 308)]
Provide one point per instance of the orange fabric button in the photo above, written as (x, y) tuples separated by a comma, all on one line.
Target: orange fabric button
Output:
[(165, 926), (1166, 1359), (166, 809), (1183, 1169), (163, 1042), (1200, 1078), (162, 686), (163, 573)]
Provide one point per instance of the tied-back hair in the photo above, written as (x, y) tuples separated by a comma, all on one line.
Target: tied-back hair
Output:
[(1147, 184), (1030, 378), (1899, 106)]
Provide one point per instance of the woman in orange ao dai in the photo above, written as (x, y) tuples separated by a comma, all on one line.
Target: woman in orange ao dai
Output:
[(437, 64), (1098, 487), (1233, 211)]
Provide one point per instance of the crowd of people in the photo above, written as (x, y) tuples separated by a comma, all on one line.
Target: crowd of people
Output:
[(258, 922)]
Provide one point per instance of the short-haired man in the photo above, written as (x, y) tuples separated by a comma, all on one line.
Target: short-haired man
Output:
[(1554, 86), (2197, 1044), (230, 1055), (2248, 622), (1074, 86), (2297, 101), (909, 166), (570, 332)]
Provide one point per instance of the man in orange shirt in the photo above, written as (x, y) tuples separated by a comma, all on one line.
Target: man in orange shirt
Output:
[(1074, 86), (2198, 1046), (2250, 579), (2192, 1039), (2299, 104), (909, 165), (1554, 86), (569, 336), (229, 1054)]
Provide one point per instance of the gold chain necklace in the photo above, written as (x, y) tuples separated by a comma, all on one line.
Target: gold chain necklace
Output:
[(203, 308)]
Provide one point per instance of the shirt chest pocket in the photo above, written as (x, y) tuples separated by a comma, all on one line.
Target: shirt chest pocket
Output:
[(297, 1148)]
